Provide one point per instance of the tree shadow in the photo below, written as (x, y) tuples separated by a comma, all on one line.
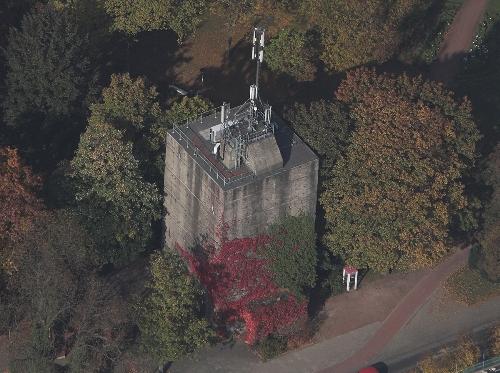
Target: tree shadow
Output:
[(478, 79), (154, 54), (230, 82)]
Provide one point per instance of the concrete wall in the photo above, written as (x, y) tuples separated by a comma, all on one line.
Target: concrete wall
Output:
[(193, 201), (195, 204), (250, 208)]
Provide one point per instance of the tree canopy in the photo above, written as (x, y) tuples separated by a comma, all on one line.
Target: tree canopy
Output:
[(393, 196), (113, 199), (325, 127), (134, 16), (171, 318), (291, 52), (489, 237), (19, 206), (131, 106), (358, 32), (48, 80)]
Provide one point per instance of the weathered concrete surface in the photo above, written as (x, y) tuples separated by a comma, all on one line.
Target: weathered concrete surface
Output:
[(264, 156), (238, 358), (195, 204)]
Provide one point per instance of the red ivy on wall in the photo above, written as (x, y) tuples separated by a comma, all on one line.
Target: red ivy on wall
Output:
[(240, 285)]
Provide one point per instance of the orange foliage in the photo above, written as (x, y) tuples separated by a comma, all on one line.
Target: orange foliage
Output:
[(19, 205)]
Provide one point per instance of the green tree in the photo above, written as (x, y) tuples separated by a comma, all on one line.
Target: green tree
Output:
[(134, 16), (325, 127), (48, 80), (489, 237), (131, 106), (292, 253), (291, 52), (392, 198), (357, 32), (117, 205), (170, 317), (187, 108)]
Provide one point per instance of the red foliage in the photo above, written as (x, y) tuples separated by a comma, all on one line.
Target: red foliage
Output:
[(264, 319), (240, 285)]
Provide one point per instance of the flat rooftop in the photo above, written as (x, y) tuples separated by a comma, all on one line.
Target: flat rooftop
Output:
[(189, 135)]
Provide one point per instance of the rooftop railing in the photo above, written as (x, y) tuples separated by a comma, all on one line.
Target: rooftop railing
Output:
[(212, 165)]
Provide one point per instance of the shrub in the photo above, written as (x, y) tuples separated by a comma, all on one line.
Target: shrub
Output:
[(271, 347), (468, 286)]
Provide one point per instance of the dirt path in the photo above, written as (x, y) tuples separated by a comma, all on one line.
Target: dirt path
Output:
[(458, 40), (403, 312)]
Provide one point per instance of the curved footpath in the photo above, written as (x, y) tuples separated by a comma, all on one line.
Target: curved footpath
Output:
[(237, 358), (403, 312)]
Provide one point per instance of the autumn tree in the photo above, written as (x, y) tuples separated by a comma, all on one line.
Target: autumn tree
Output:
[(49, 78), (47, 284), (325, 127), (291, 52), (494, 342), (393, 197), (171, 317), (358, 32), (132, 16), (489, 237), (100, 327), (19, 207), (71, 310), (292, 253), (456, 358)]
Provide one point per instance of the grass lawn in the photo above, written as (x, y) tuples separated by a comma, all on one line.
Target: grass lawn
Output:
[(493, 7), (468, 286)]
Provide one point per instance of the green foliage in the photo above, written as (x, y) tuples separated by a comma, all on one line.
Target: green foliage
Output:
[(171, 317), (47, 83), (489, 237), (131, 106), (358, 32), (290, 52), (292, 253), (325, 127), (271, 347), (117, 205), (134, 16), (468, 286), (187, 109), (424, 28), (392, 198)]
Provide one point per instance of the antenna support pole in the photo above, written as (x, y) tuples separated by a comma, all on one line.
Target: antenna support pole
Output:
[(258, 52)]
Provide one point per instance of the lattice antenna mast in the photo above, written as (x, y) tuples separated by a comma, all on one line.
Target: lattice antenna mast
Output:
[(258, 54)]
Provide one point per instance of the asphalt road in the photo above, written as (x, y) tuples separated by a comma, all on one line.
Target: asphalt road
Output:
[(402, 364)]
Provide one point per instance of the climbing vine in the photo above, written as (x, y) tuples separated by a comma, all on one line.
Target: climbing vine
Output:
[(240, 284)]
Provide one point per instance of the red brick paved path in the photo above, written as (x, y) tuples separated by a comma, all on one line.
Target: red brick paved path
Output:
[(403, 312)]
